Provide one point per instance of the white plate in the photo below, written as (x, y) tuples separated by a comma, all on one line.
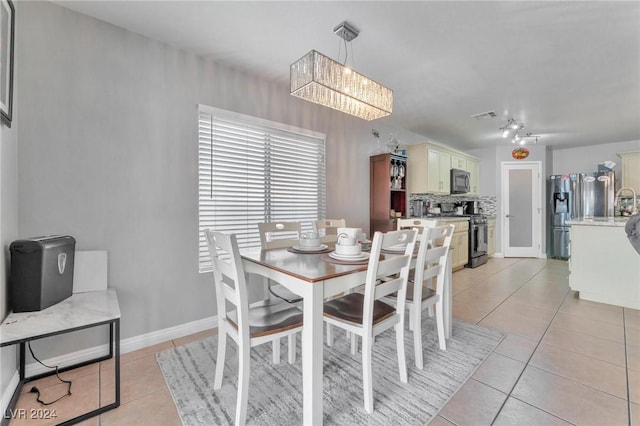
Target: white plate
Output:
[(361, 256), (347, 254), (319, 248), (401, 248)]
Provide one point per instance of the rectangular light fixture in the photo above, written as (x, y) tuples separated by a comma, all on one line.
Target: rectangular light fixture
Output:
[(319, 79)]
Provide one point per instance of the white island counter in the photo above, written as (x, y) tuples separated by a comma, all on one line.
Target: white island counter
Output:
[(603, 265)]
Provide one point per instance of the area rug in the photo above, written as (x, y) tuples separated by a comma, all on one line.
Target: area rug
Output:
[(275, 391)]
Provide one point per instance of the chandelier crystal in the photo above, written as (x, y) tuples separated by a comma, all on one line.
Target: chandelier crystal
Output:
[(319, 79)]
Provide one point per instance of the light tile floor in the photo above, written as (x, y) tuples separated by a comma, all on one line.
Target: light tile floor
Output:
[(563, 361)]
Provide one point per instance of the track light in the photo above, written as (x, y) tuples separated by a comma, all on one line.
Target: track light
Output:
[(516, 130)]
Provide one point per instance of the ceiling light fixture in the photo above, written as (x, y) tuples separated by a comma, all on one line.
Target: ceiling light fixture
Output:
[(319, 79), (516, 130), (523, 139), (512, 127)]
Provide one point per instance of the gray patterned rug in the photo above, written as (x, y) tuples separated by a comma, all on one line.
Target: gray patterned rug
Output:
[(275, 396)]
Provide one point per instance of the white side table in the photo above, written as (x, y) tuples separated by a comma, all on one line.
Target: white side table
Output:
[(80, 311)]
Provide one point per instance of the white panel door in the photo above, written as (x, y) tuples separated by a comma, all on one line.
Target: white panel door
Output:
[(521, 208)]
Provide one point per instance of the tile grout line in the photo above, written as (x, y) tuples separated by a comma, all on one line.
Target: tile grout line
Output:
[(514, 292), (500, 304), (532, 353), (493, 351), (544, 411)]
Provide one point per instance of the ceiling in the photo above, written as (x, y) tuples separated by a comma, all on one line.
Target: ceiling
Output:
[(570, 71)]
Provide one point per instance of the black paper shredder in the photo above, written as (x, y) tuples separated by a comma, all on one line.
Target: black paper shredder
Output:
[(41, 272)]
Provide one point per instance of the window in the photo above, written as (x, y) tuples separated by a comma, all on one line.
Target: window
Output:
[(253, 170)]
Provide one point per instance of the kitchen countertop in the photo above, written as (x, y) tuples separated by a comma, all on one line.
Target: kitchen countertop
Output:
[(444, 218), (450, 218), (600, 221)]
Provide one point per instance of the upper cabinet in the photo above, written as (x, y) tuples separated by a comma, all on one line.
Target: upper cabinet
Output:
[(630, 170), (430, 169), (438, 166), (458, 162), (473, 167)]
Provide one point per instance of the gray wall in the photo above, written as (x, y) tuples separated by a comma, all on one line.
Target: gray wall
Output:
[(8, 226), (110, 154), (487, 160), (554, 161), (586, 159)]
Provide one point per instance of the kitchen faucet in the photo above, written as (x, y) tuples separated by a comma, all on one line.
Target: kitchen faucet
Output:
[(634, 208)]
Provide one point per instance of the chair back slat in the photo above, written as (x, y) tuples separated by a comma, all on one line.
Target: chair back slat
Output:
[(391, 265), (278, 234), (432, 258), (228, 276), (396, 266), (230, 294), (416, 223), (388, 287), (434, 254), (431, 271)]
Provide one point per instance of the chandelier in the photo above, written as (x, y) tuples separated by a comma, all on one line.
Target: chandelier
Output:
[(319, 79), (516, 131)]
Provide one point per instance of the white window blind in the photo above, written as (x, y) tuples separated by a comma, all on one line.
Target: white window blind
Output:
[(253, 170)]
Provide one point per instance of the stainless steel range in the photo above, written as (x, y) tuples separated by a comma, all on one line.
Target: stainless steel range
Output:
[(478, 229)]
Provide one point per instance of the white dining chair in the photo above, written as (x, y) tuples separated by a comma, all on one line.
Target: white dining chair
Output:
[(431, 263), (327, 228), (247, 325), (414, 222), (274, 235), (366, 315), (419, 224)]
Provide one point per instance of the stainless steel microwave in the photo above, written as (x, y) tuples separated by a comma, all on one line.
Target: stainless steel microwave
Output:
[(459, 181)]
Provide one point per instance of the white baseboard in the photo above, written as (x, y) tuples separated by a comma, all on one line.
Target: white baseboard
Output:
[(126, 345), (139, 342), (498, 254), (11, 387)]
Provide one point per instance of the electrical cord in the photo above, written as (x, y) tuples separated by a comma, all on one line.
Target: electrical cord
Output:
[(37, 391)]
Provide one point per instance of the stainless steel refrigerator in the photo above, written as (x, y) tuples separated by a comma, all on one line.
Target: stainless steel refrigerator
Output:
[(577, 195)]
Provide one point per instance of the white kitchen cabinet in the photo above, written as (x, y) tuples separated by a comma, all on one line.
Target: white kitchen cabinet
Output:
[(630, 164), (605, 267), (491, 236), (458, 162), (438, 171), (417, 163), (431, 166), (474, 176), (459, 241), (462, 248)]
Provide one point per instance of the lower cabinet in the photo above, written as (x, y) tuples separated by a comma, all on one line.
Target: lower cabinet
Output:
[(461, 250), (459, 242), (491, 236)]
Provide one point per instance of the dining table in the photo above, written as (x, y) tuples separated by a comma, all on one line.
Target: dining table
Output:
[(316, 278)]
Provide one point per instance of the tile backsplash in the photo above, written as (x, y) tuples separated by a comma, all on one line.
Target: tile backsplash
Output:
[(487, 203)]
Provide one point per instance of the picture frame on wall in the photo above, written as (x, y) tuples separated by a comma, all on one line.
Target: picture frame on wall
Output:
[(7, 23)]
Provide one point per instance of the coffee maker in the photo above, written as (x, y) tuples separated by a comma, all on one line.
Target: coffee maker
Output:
[(418, 208), (472, 207)]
